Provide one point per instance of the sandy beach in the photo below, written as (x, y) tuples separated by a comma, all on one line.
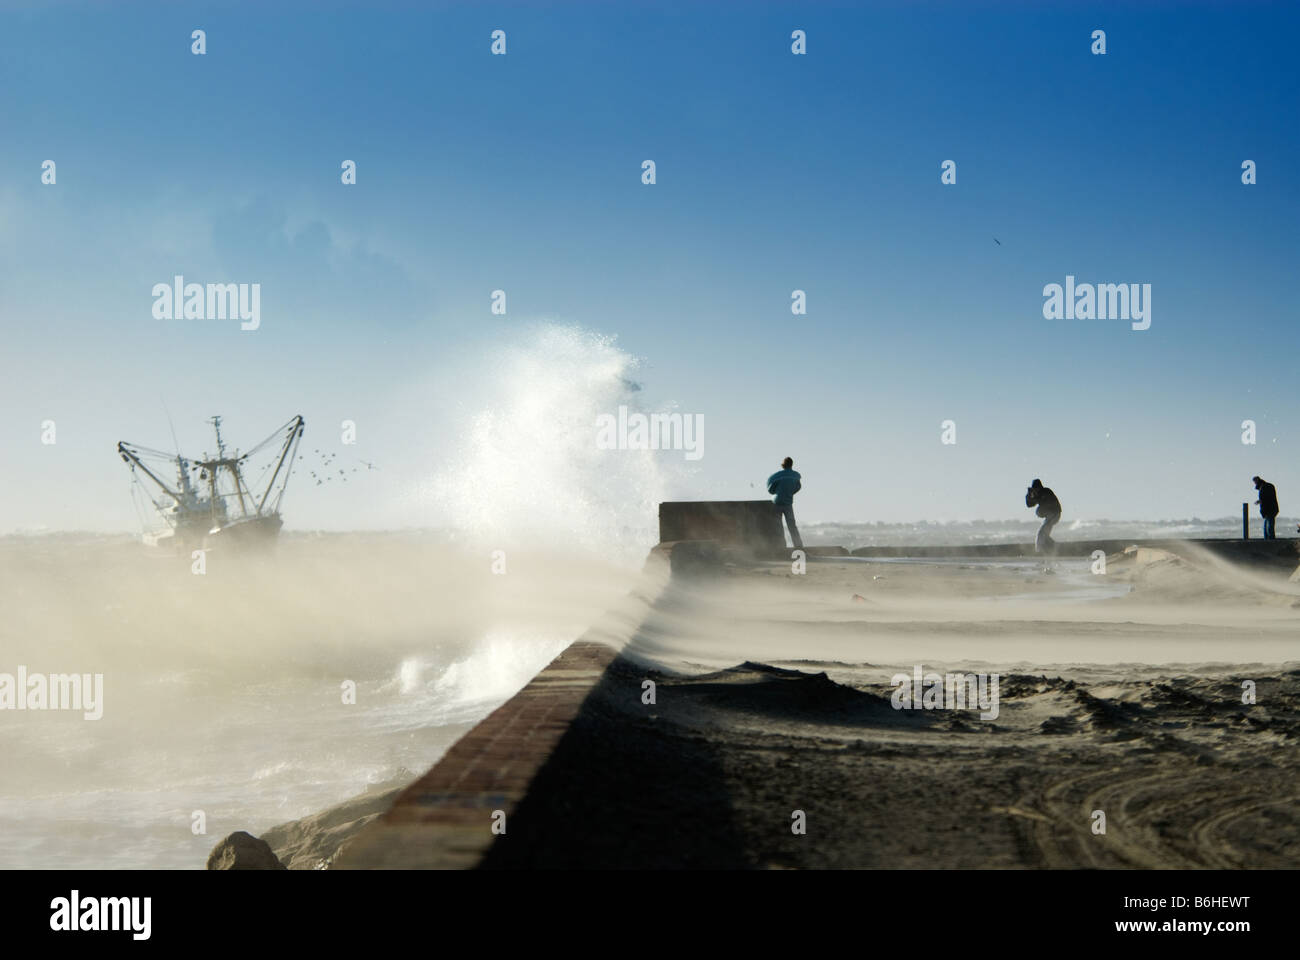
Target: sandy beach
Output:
[(1119, 694)]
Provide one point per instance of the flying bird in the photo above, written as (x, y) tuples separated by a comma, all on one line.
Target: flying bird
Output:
[(997, 241)]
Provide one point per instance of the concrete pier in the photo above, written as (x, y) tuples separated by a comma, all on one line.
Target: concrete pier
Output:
[(444, 821), (736, 523), (504, 771), (1279, 553)]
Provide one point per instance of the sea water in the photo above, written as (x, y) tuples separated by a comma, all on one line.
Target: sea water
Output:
[(243, 691)]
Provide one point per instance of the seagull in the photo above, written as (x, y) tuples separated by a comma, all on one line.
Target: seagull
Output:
[(997, 241), (368, 465)]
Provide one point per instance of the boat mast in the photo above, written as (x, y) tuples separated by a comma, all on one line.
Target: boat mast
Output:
[(231, 464), (216, 426)]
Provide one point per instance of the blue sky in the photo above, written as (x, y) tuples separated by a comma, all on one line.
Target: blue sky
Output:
[(775, 172)]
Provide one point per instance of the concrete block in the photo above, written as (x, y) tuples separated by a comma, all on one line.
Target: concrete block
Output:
[(754, 524)]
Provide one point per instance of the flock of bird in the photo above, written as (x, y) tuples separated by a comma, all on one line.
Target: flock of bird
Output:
[(327, 462)]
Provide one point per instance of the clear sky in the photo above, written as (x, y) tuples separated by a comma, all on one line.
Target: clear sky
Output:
[(775, 172)]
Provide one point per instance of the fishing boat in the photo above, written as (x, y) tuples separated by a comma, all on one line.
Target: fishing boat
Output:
[(211, 501)]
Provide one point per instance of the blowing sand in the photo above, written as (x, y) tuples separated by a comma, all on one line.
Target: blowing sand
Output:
[(263, 689), (1121, 695)]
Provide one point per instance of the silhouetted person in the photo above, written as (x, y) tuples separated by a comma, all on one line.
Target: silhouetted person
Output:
[(1267, 506), (785, 484), (1049, 508)]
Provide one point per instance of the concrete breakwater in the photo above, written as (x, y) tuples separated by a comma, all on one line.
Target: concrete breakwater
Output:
[(443, 819), (755, 527), (580, 772), (1278, 553), (572, 722), (446, 818)]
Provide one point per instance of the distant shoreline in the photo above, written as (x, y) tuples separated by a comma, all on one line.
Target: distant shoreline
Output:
[(824, 533)]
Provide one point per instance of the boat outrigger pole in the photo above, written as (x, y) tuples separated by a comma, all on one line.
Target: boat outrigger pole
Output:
[(129, 456), (290, 445)]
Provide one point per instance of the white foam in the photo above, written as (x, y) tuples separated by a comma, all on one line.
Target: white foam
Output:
[(525, 466)]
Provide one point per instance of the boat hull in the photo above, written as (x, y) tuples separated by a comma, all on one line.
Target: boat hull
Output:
[(253, 532)]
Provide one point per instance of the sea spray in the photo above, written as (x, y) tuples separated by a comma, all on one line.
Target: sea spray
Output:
[(223, 692), (526, 466)]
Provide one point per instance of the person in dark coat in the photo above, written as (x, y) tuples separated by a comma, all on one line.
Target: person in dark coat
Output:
[(1267, 506), (1049, 508)]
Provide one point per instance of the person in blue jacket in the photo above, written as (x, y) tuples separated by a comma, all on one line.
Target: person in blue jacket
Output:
[(784, 484)]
